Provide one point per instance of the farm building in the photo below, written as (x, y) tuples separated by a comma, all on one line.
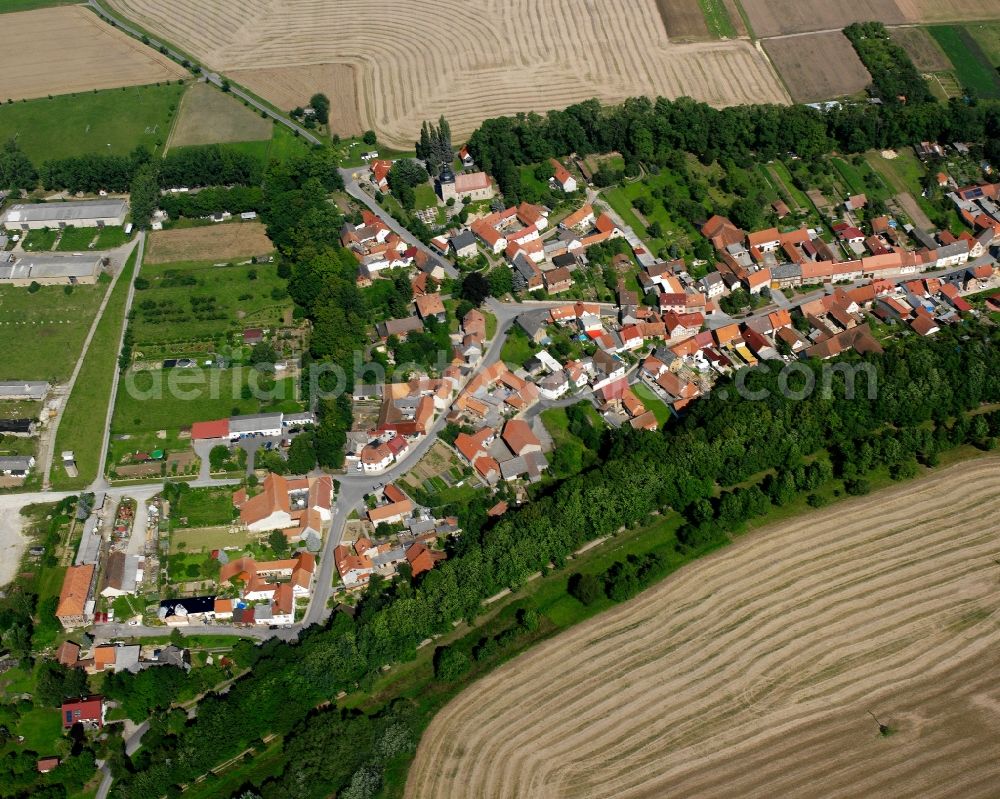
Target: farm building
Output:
[(52, 270), (87, 213), (16, 465), (23, 390)]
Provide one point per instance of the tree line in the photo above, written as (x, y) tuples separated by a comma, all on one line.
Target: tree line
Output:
[(650, 131), (895, 79), (723, 440)]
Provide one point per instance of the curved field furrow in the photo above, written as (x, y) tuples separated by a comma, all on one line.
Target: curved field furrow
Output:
[(751, 673), (468, 59)]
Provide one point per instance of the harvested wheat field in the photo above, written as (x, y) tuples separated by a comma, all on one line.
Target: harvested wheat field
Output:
[(218, 242), (490, 58), (779, 17), (209, 116), (751, 673), (68, 49), (291, 87), (818, 66)]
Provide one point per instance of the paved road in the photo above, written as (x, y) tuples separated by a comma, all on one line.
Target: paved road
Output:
[(54, 426), (352, 185), (211, 77)]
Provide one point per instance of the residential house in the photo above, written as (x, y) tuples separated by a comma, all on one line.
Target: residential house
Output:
[(464, 244), (76, 608), (558, 280), (563, 179), (88, 711)]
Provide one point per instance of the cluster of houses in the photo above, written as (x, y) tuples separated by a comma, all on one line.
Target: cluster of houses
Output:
[(518, 233), (511, 453), (979, 207), (790, 259), (119, 657), (377, 247), (412, 545), (266, 593), (298, 506)]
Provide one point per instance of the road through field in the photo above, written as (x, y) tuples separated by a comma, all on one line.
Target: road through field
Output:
[(752, 672)]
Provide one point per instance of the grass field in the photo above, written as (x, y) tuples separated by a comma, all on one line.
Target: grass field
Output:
[(210, 116), (424, 196), (196, 301), (167, 399), (30, 5), (774, 646), (717, 19), (203, 507), (517, 348), (53, 322), (208, 538), (76, 239), (40, 240), (973, 67), (81, 428), (111, 121), (987, 34)]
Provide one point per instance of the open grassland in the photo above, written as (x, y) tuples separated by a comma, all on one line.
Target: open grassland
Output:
[(210, 116), (112, 121), (31, 5), (81, 428), (818, 66), (926, 54), (972, 66), (291, 87), (752, 672), (531, 56), (219, 242), (199, 301), (169, 399), (43, 332), (68, 49), (987, 35)]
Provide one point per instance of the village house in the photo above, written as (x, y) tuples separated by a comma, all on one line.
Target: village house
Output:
[(76, 607), (88, 711), (562, 177)]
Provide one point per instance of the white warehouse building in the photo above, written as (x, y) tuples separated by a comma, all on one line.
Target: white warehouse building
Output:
[(85, 213)]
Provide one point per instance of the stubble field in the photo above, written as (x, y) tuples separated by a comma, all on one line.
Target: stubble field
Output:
[(818, 66), (752, 672), (291, 87), (215, 242), (68, 49), (491, 58)]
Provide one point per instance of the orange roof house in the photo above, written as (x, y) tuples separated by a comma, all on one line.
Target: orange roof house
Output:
[(518, 435), (422, 559), (72, 608)]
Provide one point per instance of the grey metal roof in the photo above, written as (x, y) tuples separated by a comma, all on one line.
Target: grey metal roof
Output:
[(44, 265), (35, 390), (254, 422), (463, 240), (65, 212), (15, 463)]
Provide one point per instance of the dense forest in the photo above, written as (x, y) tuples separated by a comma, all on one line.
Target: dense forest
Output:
[(923, 389)]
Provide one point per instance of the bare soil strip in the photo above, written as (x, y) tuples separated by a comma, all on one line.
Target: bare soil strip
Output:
[(752, 672), (68, 49)]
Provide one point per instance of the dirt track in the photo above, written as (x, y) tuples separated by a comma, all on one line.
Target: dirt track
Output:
[(68, 49), (468, 59), (751, 673)]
